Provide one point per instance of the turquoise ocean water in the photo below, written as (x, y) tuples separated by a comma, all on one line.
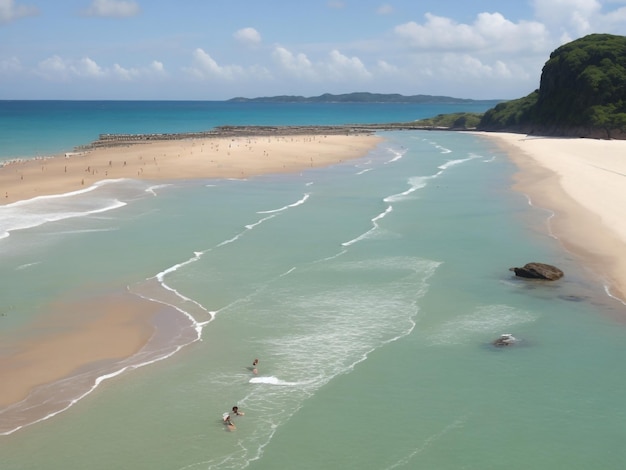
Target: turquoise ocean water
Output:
[(370, 292)]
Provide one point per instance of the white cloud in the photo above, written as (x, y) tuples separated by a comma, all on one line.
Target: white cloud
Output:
[(297, 65), (617, 17), (86, 67), (338, 67), (205, 67), (124, 73), (9, 11), (53, 68), (343, 68), (154, 70), (567, 13), (157, 67), (113, 8), (490, 31), (56, 68), (575, 18), (385, 68), (248, 36)]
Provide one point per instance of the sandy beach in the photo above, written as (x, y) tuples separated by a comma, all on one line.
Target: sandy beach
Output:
[(239, 157), (582, 181), (120, 324)]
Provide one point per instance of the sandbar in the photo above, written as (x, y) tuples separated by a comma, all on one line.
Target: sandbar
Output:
[(67, 339), (583, 183), (215, 157)]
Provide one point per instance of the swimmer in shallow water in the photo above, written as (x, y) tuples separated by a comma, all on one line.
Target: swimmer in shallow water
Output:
[(254, 368), (228, 421)]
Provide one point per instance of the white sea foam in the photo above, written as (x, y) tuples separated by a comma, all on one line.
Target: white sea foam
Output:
[(153, 189), (374, 231), (451, 163), (415, 183), (284, 208), (40, 210), (479, 324), (397, 155), (27, 265), (439, 147), (272, 381)]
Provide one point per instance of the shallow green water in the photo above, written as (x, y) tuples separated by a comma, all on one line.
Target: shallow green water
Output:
[(370, 292)]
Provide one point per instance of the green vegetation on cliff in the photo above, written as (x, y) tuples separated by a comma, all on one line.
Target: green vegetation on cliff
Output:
[(582, 92), (453, 121)]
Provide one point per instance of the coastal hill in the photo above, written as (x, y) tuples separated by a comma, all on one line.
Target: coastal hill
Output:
[(582, 93), (359, 97)]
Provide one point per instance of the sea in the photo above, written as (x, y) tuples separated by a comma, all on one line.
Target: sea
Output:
[(370, 291)]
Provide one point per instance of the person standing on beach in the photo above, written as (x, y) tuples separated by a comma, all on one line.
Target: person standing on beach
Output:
[(254, 364)]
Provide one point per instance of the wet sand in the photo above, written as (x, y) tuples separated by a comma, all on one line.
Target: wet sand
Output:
[(73, 335)]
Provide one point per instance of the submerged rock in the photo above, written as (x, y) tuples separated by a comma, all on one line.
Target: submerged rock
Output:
[(538, 271), (506, 339)]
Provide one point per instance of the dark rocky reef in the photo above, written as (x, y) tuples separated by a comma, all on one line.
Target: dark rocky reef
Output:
[(538, 271)]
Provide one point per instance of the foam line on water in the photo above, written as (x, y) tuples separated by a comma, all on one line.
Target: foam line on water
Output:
[(27, 265), (451, 163), (415, 183), (375, 228), (153, 189), (396, 155), (40, 210), (284, 208), (439, 147), (247, 228), (184, 300)]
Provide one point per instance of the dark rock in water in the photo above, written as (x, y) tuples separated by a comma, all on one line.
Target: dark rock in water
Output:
[(538, 271), (506, 339)]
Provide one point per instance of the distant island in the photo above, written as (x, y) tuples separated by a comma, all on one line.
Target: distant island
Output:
[(361, 97)]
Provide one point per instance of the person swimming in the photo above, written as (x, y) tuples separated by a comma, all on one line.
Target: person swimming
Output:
[(228, 421), (254, 368)]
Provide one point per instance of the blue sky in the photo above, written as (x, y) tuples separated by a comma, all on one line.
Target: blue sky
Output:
[(219, 49)]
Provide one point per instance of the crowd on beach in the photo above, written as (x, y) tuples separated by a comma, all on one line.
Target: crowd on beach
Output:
[(235, 411)]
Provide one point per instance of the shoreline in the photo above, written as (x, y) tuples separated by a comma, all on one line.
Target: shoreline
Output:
[(581, 181), (121, 325), (42, 373)]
